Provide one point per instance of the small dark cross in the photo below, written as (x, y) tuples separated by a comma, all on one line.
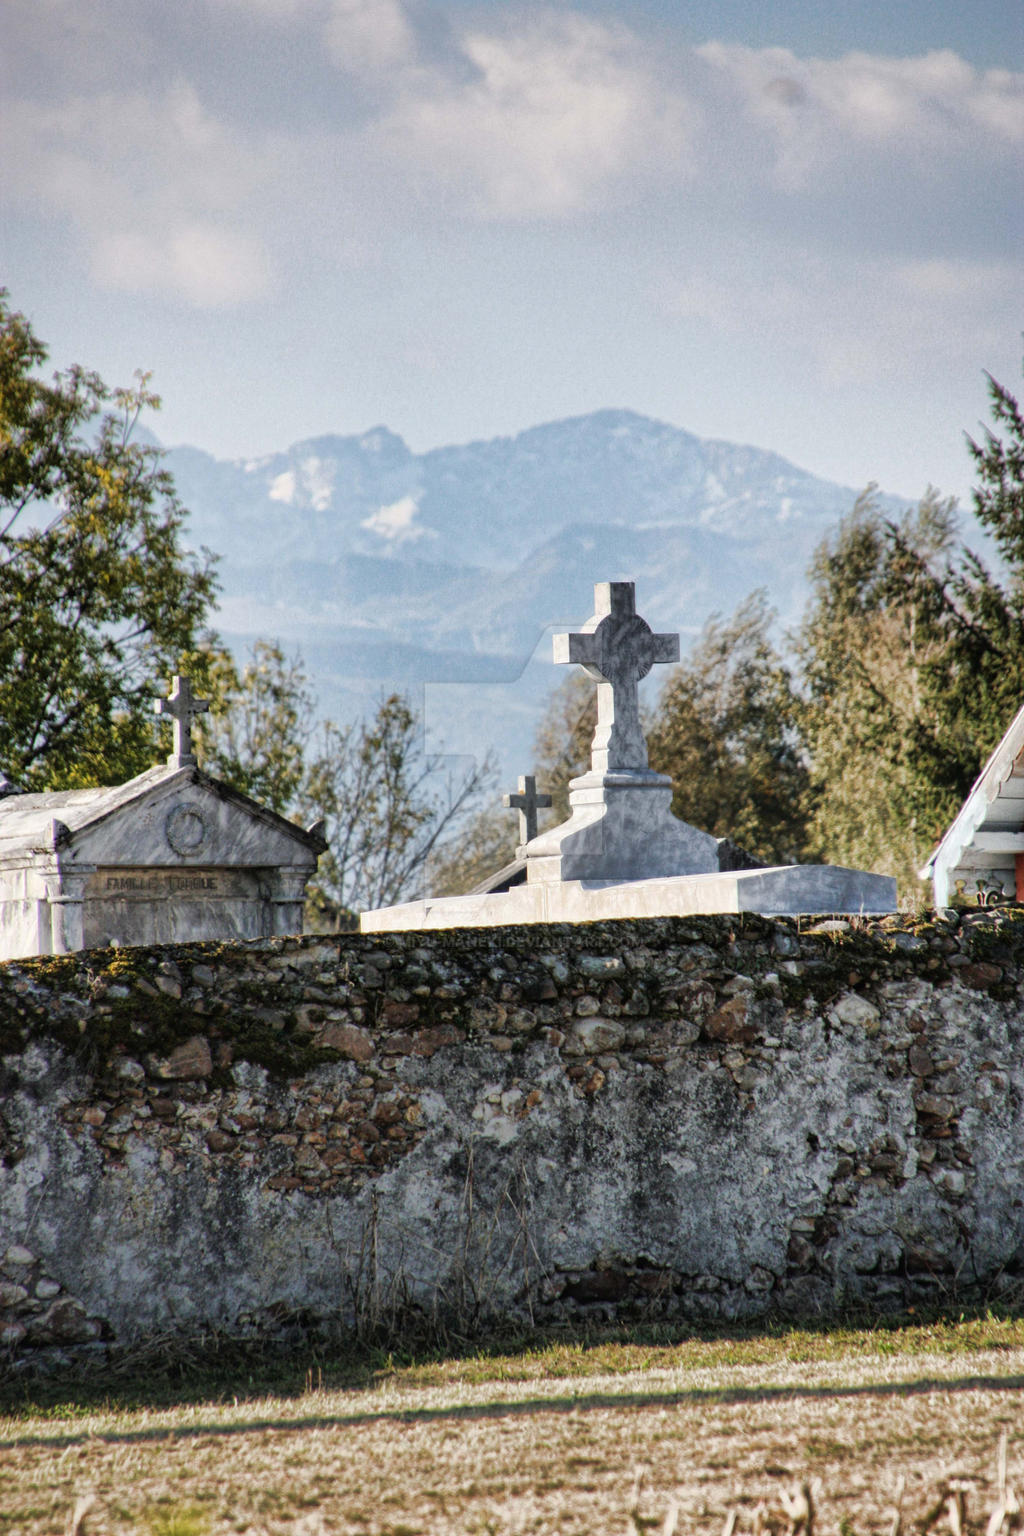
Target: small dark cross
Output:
[(527, 802), (182, 706), (618, 648)]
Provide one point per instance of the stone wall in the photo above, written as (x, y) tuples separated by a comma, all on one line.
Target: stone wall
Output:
[(699, 1118)]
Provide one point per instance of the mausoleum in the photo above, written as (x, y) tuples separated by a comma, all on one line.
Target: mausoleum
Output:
[(174, 855), (980, 861), (622, 853)]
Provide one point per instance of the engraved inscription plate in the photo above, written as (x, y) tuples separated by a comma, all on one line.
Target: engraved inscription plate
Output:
[(170, 884)]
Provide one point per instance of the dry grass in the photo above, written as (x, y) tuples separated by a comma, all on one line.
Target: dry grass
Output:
[(842, 1432)]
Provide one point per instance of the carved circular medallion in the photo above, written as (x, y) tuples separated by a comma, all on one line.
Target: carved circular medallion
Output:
[(627, 647), (185, 829)]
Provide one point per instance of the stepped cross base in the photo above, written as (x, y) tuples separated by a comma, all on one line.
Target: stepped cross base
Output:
[(620, 827)]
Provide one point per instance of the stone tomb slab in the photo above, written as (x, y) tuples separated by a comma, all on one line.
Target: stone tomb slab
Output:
[(787, 890)]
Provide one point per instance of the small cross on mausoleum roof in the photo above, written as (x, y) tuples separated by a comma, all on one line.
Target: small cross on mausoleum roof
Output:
[(618, 648), (527, 802), (182, 706)]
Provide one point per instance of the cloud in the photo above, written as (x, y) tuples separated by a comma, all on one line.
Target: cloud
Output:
[(556, 115), (186, 182), (566, 116), (155, 188), (278, 12), (202, 264), (809, 114), (857, 320), (370, 36)]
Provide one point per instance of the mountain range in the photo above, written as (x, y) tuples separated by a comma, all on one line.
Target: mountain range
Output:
[(439, 573)]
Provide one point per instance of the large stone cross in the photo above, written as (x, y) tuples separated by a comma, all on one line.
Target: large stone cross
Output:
[(182, 706), (527, 802), (618, 648)]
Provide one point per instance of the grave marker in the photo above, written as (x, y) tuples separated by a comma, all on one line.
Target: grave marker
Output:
[(621, 852), (172, 856), (527, 802), (618, 648)]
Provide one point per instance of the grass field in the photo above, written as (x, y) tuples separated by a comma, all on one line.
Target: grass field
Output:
[(616, 1435)]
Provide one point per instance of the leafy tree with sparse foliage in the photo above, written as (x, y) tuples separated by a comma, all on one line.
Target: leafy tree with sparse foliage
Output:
[(99, 597), (259, 725), (563, 740), (389, 806), (726, 730), (487, 841), (391, 810)]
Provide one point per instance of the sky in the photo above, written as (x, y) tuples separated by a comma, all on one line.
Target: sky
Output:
[(792, 225)]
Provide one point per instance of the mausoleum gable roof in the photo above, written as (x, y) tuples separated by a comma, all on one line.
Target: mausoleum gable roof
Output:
[(996, 800), (25, 819)]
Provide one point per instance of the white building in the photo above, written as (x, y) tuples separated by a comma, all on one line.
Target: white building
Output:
[(172, 856), (981, 857)]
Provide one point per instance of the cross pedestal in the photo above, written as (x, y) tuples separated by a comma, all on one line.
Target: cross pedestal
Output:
[(620, 826), (182, 706)]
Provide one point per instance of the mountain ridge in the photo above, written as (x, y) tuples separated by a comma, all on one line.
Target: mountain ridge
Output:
[(476, 549)]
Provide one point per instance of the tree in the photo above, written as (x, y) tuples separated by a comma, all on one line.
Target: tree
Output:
[(259, 725), (393, 813), (867, 647), (487, 841), (563, 740), (388, 806), (999, 498), (912, 653), (725, 729), (99, 598)]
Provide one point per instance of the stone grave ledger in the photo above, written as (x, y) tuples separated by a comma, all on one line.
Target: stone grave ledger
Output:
[(622, 853), (172, 856)]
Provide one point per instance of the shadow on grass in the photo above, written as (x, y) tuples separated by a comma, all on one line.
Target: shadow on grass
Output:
[(171, 1372), (506, 1409)]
